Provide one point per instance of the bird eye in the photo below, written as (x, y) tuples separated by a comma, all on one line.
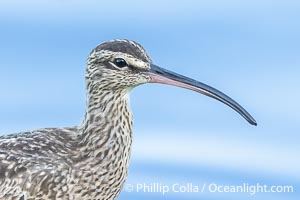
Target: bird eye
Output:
[(120, 62)]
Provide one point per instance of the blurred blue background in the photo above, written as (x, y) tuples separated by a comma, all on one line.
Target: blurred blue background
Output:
[(247, 49)]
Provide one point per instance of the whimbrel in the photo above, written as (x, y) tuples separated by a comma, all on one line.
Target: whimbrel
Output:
[(90, 161)]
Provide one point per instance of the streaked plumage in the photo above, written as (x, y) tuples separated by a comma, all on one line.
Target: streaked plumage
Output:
[(89, 161)]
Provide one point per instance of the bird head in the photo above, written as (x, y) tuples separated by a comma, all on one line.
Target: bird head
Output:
[(120, 65)]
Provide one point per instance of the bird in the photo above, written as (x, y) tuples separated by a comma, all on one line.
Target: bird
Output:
[(91, 160)]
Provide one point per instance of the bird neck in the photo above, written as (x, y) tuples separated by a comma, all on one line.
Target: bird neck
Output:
[(108, 118)]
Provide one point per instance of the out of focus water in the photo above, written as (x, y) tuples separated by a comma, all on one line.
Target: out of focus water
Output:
[(247, 49)]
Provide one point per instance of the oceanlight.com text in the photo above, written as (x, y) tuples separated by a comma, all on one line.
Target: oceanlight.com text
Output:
[(250, 189)]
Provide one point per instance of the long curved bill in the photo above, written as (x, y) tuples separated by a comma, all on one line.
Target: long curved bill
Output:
[(160, 75)]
